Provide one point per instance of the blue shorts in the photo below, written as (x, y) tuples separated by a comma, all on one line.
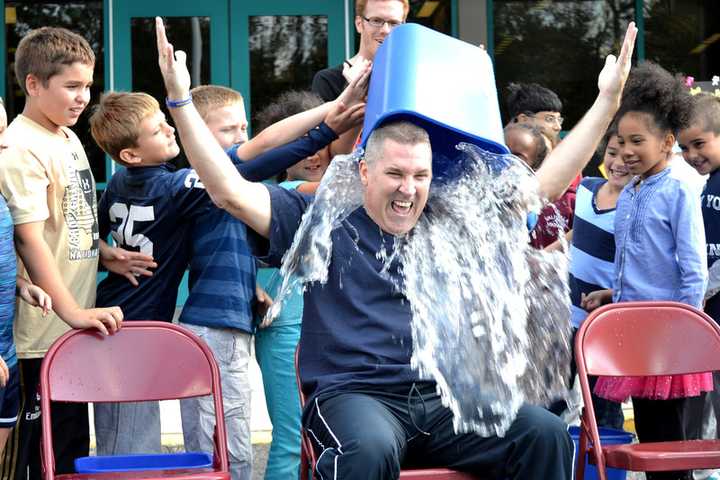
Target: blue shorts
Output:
[(10, 399)]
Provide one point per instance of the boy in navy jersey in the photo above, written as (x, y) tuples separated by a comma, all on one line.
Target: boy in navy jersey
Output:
[(700, 145), (147, 206), (150, 207)]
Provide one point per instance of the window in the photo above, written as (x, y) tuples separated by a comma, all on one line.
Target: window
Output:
[(684, 36), (560, 45), (189, 34), (285, 53), (435, 14)]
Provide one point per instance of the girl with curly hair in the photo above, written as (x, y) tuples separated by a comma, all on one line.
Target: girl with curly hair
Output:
[(660, 250)]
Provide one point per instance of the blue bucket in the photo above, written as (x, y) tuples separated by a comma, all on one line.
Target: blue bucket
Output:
[(608, 436), (131, 463), (445, 85)]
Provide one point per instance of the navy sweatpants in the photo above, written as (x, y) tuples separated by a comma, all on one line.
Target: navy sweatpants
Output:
[(369, 435)]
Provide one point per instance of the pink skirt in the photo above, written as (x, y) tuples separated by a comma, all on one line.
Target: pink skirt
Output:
[(619, 389)]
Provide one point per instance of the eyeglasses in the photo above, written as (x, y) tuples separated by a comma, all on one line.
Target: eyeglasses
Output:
[(548, 118), (377, 22)]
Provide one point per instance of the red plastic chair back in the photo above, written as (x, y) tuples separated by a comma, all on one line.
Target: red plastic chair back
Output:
[(145, 360), (640, 339), (307, 454)]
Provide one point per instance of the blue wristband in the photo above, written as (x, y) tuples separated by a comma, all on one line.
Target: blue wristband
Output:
[(178, 103)]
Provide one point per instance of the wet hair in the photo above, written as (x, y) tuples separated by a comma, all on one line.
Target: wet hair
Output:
[(402, 132), (44, 51), (539, 138), (115, 120), (287, 104), (207, 98), (663, 96), (705, 112), (530, 98), (361, 4)]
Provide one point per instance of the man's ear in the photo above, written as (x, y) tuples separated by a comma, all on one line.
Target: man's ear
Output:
[(363, 168), (128, 156), (358, 24)]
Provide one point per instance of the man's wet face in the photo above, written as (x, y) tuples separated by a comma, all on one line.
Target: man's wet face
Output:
[(397, 185)]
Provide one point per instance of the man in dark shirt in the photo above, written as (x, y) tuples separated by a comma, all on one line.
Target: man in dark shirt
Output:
[(369, 412), (373, 21)]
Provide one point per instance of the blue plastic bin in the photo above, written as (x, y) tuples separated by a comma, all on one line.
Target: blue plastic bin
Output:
[(128, 463), (445, 85), (608, 436)]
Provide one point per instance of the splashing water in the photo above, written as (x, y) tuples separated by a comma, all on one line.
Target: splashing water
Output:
[(308, 258), (490, 313)]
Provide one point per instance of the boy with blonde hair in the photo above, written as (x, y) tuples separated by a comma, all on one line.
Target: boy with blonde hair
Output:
[(147, 206), (223, 110), (222, 269), (46, 178)]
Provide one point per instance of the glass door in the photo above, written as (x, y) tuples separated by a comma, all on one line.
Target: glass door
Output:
[(277, 45), (198, 28)]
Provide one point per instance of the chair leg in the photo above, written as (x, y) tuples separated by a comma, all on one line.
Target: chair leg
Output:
[(580, 460), (303, 468), (304, 464), (602, 472)]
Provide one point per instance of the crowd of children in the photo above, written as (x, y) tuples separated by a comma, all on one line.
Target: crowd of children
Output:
[(627, 231), (644, 234)]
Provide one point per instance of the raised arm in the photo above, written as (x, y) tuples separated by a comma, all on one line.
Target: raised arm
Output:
[(574, 152), (284, 131), (247, 201), (279, 159), (295, 126)]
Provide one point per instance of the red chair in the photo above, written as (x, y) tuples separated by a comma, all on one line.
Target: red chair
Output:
[(644, 339), (145, 360), (307, 455)]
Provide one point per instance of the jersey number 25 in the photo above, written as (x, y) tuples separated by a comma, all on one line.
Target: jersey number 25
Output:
[(124, 234)]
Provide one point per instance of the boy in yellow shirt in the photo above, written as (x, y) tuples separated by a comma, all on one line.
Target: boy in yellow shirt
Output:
[(47, 181)]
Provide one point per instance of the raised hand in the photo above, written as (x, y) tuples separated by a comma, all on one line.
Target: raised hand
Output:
[(172, 65), (614, 74), (356, 91), (341, 119), (351, 71)]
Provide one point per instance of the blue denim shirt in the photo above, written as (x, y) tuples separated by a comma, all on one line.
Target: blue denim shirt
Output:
[(660, 242)]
